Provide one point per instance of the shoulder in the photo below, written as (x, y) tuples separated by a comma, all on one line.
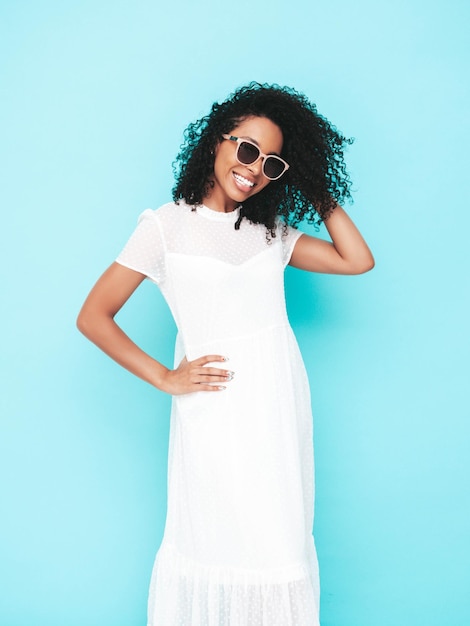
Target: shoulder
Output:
[(168, 216), (288, 236), (285, 231), (169, 213), (165, 209)]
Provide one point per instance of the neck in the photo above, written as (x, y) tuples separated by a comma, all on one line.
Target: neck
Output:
[(216, 202)]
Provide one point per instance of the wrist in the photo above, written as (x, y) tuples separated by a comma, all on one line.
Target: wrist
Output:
[(159, 377)]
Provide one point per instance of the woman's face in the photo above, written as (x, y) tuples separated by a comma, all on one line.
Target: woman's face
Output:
[(234, 182)]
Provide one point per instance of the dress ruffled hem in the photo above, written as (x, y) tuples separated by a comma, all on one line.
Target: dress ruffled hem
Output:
[(186, 593)]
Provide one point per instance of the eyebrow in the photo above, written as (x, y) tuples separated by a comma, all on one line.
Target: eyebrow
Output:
[(257, 144)]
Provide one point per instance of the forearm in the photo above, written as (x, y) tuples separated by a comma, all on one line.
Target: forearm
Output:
[(103, 331)]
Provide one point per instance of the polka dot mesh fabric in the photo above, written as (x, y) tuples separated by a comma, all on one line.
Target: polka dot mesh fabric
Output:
[(186, 233), (237, 549), (213, 597)]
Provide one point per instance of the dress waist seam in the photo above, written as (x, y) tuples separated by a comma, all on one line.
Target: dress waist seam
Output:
[(243, 336)]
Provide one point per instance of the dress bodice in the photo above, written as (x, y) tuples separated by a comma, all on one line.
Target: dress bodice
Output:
[(219, 282)]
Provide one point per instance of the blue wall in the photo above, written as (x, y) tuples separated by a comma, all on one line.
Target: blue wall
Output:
[(94, 100)]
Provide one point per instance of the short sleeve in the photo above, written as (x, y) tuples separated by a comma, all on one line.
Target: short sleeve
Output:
[(289, 237), (145, 250)]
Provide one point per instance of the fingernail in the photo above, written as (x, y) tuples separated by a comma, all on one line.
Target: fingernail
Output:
[(225, 358), (222, 388)]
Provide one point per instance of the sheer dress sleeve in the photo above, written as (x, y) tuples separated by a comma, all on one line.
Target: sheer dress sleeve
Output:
[(144, 252), (289, 238)]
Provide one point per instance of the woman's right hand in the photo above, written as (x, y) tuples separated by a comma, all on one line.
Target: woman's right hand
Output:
[(191, 376)]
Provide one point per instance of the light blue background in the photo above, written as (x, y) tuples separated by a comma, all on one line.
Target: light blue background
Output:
[(94, 100)]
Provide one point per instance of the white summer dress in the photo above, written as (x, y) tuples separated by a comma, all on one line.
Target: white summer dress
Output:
[(237, 548)]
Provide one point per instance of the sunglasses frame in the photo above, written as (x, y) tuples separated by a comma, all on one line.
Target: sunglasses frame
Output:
[(262, 155)]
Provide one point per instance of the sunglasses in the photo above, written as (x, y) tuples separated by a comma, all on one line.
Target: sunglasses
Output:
[(248, 153)]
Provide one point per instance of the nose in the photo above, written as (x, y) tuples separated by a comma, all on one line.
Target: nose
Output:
[(257, 166)]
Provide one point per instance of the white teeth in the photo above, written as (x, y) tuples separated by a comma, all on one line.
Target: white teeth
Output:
[(243, 180)]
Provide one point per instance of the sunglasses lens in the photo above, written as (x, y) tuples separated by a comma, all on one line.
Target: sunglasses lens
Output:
[(247, 153), (273, 167)]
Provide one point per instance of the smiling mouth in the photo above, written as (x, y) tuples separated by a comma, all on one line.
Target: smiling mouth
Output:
[(244, 182)]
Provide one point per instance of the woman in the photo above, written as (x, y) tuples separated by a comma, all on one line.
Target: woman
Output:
[(238, 548)]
